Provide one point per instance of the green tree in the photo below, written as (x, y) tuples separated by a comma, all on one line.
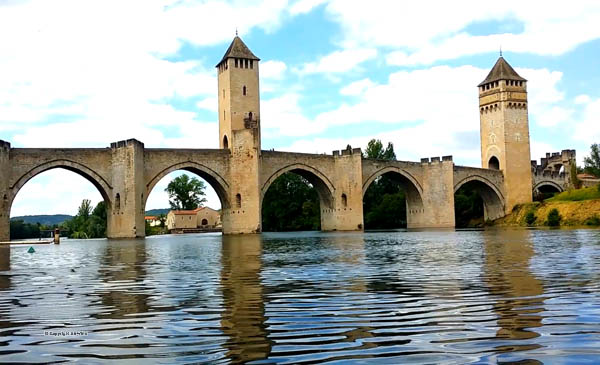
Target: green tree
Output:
[(384, 203), (186, 193), (553, 218), (291, 204), (375, 150), (592, 162), (468, 207), (88, 223)]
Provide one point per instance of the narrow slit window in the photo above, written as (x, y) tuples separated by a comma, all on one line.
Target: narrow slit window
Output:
[(238, 200), (344, 200), (244, 90)]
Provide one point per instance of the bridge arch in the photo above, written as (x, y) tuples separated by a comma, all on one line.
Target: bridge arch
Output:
[(551, 184), (412, 189), (98, 181), (493, 199), (216, 181), (319, 181)]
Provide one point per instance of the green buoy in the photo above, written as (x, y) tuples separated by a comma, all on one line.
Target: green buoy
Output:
[(31, 250)]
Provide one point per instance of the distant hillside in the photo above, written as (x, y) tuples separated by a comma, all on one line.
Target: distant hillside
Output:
[(156, 212), (48, 220)]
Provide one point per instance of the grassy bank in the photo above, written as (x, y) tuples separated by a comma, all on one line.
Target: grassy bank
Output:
[(578, 207)]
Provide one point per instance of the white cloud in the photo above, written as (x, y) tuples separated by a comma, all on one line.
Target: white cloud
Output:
[(427, 31), (582, 99), (283, 116), (210, 103), (305, 6), (272, 69), (357, 87), (588, 129), (339, 61)]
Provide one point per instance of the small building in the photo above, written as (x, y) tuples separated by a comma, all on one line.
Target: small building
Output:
[(202, 218), (152, 220)]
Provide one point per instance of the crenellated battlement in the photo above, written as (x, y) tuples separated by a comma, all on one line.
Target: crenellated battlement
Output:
[(125, 143), (4, 146)]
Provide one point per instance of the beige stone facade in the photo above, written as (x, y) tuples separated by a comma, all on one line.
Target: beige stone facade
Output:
[(504, 131), (202, 217)]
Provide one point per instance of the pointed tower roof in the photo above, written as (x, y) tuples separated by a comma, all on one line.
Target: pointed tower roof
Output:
[(501, 71), (238, 49)]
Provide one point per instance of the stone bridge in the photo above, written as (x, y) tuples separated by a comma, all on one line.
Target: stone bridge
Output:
[(126, 172)]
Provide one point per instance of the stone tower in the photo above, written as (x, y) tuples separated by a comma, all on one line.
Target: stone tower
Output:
[(504, 129), (239, 100), (239, 131)]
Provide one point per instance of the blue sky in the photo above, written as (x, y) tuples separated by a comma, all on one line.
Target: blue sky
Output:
[(84, 74)]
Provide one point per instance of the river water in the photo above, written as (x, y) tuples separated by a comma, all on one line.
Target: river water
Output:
[(378, 297)]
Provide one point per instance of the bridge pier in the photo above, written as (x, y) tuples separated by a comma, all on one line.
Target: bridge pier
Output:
[(243, 213), (5, 196), (347, 210), (438, 196), (125, 215)]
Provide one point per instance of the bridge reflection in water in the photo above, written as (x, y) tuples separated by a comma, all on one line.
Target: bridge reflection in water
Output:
[(243, 319), (507, 274)]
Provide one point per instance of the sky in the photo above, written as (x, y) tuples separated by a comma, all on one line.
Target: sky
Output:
[(79, 73)]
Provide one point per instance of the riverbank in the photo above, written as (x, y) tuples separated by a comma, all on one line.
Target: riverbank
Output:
[(580, 207)]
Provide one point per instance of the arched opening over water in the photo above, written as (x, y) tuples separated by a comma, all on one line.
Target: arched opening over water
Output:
[(476, 200), (391, 199), (157, 205), (295, 198), (62, 194), (546, 190)]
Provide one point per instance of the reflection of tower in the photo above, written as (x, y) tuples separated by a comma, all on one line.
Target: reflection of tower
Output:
[(244, 317), (504, 130), (4, 258), (123, 268), (508, 276)]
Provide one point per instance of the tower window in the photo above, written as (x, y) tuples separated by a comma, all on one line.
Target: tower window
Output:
[(236, 62), (251, 63), (223, 93), (225, 142), (344, 200), (224, 115), (118, 201), (238, 200), (245, 63), (244, 90)]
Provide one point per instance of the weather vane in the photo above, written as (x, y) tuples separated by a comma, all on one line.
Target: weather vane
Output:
[(237, 34)]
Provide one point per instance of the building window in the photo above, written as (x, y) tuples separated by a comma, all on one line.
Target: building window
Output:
[(244, 90), (225, 142), (205, 222), (224, 115), (236, 62), (238, 200), (117, 201), (223, 93), (344, 200), (251, 63)]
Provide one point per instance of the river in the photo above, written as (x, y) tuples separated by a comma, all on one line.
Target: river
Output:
[(440, 297)]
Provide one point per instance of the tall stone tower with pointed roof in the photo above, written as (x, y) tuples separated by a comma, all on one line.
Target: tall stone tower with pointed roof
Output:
[(239, 100), (239, 132), (504, 129)]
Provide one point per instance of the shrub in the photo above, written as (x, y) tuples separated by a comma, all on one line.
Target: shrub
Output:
[(554, 218), (593, 221), (530, 218)]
